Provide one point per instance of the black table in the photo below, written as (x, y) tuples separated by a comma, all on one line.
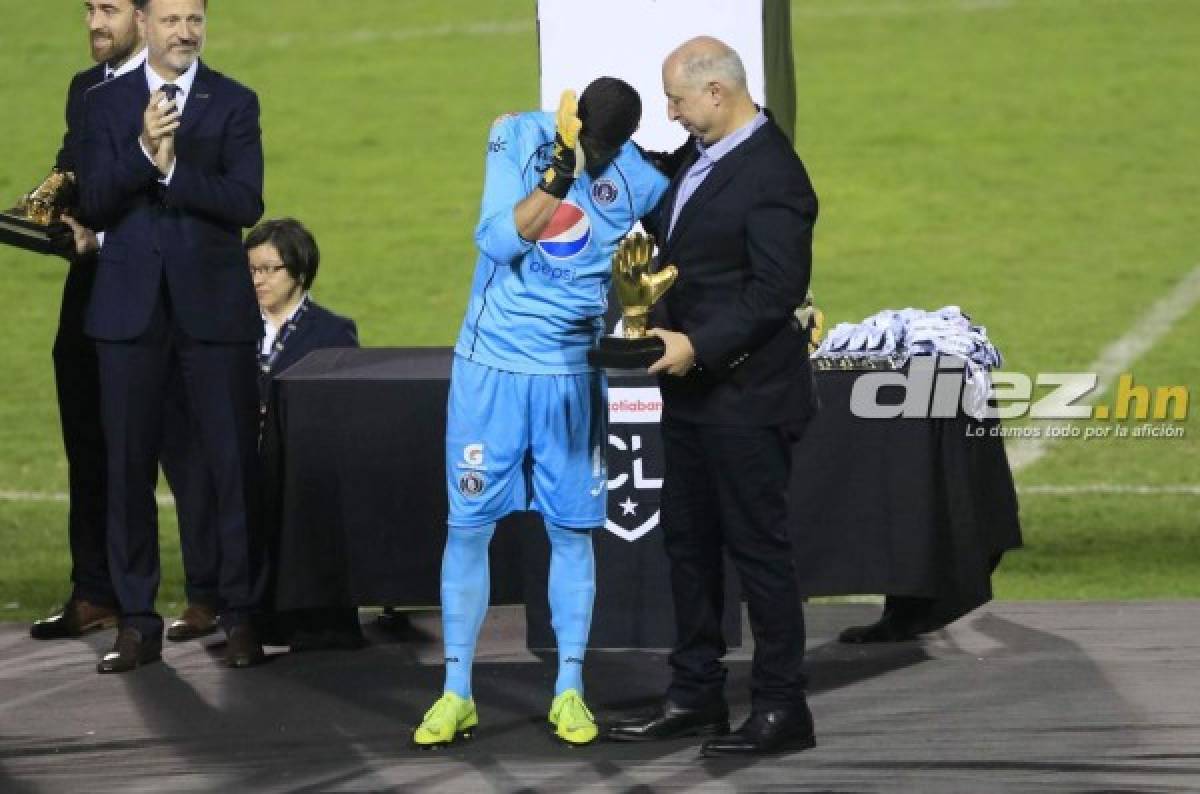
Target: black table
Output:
[(904, 507)]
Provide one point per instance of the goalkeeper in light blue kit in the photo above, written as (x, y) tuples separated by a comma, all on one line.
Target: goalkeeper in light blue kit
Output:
[(526, 415)]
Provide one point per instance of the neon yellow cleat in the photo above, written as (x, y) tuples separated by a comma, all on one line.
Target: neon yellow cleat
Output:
[(572, 721), (449, 719)]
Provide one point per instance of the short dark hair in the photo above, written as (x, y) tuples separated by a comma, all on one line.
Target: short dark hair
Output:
[(610, 110), (295, 244)]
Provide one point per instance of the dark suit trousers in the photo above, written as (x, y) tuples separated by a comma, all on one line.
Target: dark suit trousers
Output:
[(195, 499), (219, 380), (77, 380), (725, 489)]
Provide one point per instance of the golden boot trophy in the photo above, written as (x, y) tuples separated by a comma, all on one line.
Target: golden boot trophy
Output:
[(637, 290), (28, 224)]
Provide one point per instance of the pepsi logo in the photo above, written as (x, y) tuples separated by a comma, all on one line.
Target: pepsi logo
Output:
[(567, 234)]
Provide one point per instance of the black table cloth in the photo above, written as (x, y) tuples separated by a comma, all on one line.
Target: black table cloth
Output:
[(355, 464), (912, 507)]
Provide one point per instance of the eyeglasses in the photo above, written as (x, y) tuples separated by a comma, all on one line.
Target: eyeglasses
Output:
[(265, 270)]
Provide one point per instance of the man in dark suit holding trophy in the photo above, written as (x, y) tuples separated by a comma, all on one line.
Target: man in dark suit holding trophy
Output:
[(173, 171), (737, 391), (116, 48)]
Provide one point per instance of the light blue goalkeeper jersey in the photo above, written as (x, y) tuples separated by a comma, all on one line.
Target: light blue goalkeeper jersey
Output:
[(536, 307)]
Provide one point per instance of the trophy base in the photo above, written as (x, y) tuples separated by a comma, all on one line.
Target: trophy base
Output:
[(615, 352), (24, 233)]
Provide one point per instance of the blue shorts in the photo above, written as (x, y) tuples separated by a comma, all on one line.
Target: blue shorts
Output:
[(525, 442)]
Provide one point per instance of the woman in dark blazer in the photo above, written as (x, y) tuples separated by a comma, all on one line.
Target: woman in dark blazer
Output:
[(283, 263)]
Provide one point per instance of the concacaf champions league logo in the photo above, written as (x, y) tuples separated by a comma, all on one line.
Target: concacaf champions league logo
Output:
[(634, 462)]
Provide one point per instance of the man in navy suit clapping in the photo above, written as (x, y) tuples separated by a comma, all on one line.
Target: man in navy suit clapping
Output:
[(172, 169)]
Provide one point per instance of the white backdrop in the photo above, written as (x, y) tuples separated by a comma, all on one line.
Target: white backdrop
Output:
[(585, 39)]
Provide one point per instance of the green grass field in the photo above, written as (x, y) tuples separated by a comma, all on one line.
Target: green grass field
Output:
[(1031, 161)]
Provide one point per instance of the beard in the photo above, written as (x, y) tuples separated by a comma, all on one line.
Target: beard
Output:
[(107, 48), (181, 59)]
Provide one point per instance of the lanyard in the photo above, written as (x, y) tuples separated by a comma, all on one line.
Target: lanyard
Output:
[(267, 362)]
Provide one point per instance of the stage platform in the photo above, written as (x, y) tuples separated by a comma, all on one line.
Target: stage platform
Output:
[(1028, 697)]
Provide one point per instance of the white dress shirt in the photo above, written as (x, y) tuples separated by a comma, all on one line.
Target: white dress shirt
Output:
[(271, 332), (125, 68)]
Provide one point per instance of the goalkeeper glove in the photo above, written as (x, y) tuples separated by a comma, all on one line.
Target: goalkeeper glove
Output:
[(567, 162)]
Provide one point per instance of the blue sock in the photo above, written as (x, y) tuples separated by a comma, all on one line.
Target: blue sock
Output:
[(466, 586), (572, 590)]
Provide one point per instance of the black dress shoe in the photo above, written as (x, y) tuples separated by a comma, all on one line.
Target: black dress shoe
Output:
[(130, 651), (243, 648), (76, 618), (787, 730), (672, 721)]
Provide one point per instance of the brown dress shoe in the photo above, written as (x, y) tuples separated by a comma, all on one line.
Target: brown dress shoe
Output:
[(76, 618), (196, 621), (130, 651), (243, 648)]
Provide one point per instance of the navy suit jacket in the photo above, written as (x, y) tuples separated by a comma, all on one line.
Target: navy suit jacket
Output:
[(68, 155), (743, 246), (188, 233), (73, 348), (318, 328)]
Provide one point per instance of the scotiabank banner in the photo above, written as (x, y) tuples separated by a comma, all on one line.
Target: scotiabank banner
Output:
[(634, 406)]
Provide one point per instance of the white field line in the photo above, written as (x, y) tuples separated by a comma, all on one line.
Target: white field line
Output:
[(1109, 488), (1120, 355), (164, 500), (351, 38)]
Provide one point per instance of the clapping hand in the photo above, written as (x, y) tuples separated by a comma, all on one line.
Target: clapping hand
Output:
[(159, 123)]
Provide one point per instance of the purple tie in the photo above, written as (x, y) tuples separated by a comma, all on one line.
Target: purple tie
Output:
[(170, 90)]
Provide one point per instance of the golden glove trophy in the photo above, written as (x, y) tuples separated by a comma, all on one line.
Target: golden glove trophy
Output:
[(27, 225), (811, 319), (637, 290)]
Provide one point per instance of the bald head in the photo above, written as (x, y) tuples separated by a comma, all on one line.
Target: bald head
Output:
[(705, 84), (705, 59)]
